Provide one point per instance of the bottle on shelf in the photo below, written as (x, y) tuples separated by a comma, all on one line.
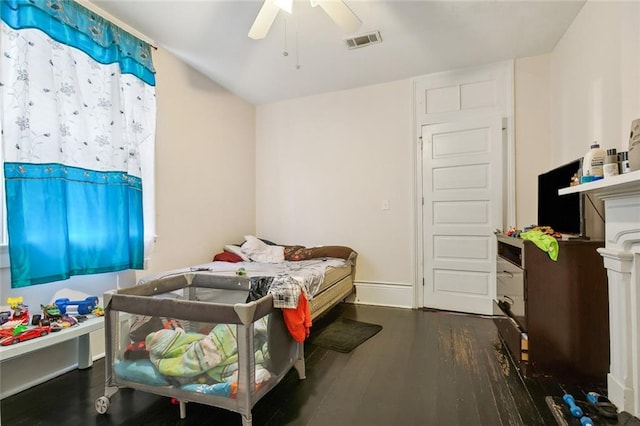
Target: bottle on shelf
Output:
[(593, 164), (610, 167), (623, 162)]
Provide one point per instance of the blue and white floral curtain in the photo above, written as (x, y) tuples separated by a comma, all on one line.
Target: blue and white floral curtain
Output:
[(77, 113)]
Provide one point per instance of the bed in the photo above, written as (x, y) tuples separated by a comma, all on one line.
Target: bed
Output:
[(218, 333), (325, 285)]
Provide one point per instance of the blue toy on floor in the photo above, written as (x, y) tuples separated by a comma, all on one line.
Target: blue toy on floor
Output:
[(576, 411)]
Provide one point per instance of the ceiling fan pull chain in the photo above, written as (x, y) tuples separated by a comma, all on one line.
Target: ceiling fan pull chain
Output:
[(297, 42), (285, 52)]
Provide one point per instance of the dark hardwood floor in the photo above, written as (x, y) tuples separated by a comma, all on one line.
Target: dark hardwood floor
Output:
[(423, 368)]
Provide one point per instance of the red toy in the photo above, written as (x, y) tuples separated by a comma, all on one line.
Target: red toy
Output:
[(20, 310), (21, 335)]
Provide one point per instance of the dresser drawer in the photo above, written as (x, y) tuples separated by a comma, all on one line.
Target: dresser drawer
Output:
[(510, 292), (514, 338), (511, 249)]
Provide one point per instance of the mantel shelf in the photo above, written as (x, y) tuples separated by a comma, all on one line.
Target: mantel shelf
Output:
[(627, 184)]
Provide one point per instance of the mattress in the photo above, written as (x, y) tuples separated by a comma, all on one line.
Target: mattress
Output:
[(333, 275), (332, 295)]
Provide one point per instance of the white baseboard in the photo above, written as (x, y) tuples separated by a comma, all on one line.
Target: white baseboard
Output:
[(621, 395), (384, 294), (36, 381), (47, 361), (41, 379)]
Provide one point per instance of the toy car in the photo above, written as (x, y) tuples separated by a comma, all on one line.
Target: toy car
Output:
[(21, 313), (7, 331), (20, 335), (8, 327), (67, 321)]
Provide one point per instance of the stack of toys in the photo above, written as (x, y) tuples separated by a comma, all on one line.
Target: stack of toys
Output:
[(17, 325)]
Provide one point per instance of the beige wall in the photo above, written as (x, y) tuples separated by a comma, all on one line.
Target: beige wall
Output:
[(587, 89), (326, 163), (532, 139), (205, 166), (595, 80), (595, 86)]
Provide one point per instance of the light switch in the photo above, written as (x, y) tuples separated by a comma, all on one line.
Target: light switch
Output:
[(385, 204)]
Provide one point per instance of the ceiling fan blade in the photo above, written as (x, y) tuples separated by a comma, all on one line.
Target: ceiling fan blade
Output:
[(341, 14), (264, 20)]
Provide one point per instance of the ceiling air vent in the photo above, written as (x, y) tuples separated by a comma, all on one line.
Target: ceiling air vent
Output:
[(363, 40)]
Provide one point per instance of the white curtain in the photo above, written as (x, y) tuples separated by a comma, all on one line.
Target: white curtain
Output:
[(78, 118)]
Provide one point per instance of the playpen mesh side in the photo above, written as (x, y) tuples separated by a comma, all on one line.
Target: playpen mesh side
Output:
[(174, 339)]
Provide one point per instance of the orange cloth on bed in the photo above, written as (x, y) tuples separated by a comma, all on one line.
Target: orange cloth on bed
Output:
[(298, 320)]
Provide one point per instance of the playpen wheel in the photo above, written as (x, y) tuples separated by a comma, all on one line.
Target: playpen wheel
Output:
[(102, 404)]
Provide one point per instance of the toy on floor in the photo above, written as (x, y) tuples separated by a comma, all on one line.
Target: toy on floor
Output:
[(602, 405), (576, 411)]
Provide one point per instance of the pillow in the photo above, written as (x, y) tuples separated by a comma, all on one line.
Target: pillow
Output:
[(338, 252), (237, 251), (227, 256), (304, 253), (267, 242), (261, 252)]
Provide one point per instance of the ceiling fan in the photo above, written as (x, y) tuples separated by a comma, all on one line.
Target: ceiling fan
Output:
[(337, 10)]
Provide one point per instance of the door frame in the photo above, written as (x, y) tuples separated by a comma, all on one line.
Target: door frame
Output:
[(506, 110)]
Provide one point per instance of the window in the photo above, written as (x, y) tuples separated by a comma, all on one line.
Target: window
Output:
[(75, 191)]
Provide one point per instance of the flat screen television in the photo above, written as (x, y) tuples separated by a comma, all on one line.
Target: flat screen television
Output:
[(563, 213)]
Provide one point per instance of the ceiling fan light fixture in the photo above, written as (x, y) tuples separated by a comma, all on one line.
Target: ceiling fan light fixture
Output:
[(337, 10), (341, 14), (286, 5), (264, 20)]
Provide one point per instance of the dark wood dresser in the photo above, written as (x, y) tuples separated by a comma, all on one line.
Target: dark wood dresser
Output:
[(553, 316)]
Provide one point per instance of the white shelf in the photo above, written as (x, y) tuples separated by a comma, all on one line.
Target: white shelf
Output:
[(82, 329), (627, 183)]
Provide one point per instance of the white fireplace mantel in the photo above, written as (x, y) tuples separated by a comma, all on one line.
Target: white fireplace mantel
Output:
[(621, 254), (628, 183)]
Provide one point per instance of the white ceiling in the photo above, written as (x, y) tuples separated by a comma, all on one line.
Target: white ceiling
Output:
[(419, 37)]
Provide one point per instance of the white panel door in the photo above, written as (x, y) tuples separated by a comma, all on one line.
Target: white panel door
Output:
[(462, 207)]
